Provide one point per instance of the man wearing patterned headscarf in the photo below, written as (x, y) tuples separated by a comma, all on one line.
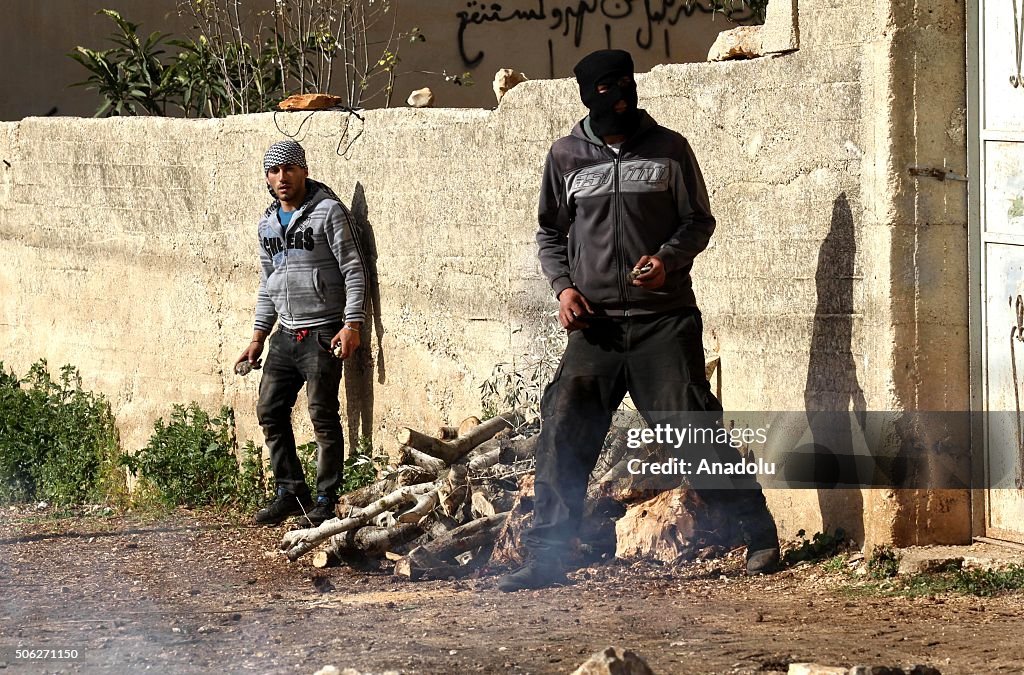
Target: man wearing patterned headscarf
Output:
[(623, 214), (312, 285)]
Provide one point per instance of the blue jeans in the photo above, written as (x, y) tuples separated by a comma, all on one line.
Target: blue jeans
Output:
[(292, 362)]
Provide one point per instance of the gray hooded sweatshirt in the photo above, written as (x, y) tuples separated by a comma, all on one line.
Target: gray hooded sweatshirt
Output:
[(313, 272)]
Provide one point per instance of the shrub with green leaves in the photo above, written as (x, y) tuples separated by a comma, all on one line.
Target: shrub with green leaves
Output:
[(820, 546), (58, 442), (190, 460), (360, 469), (255, 480), (884, 563)]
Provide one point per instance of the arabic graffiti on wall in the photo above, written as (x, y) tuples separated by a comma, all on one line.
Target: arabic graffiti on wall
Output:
[(569, 18)]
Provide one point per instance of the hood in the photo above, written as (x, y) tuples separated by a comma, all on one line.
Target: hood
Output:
[(316, 192), (583, 132)]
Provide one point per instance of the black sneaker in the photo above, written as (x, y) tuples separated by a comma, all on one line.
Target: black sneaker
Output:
[(284, 506), (535, 574), (762, 560), (322, 510), (762, 543)]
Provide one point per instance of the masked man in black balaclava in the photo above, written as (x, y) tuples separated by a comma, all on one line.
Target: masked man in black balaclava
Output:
[(623, 213)]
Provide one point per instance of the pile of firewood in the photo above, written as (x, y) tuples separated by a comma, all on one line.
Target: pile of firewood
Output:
[(461, 499)]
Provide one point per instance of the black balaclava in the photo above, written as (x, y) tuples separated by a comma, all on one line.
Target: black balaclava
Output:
[(607, 67)]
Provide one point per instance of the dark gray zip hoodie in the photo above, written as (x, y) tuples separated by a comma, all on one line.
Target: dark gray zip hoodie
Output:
[(312, 273), (600, 212)]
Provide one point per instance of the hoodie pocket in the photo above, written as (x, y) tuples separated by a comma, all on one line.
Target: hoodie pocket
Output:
[(574, 262), (318, 286)]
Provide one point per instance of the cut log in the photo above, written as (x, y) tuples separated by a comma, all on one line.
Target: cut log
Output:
[(485, 459), (437, 558), (446, 433), (369, 541), (482, 449), (612, 452), (508, 547), (430, 463), (400, 477), (519, 449), (325, 559), (672, 526), (623, 486), (450, 451), (424, 505), (414, 476), (299, 542), (467, 425), (501, 451), (454, 491), (490, 497), (435, 526)]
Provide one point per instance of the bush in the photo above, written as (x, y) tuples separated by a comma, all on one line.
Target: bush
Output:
[(255, 481), (884, 563), (819, 547), (360, 469), (191, 460), (58, 442)]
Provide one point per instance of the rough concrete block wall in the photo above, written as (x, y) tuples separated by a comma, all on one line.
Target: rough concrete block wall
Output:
[(139, 264)]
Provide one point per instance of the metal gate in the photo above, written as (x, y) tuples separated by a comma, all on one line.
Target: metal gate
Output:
[(996, 221)]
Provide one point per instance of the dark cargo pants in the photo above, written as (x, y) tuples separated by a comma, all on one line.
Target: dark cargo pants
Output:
[(290, 363), (659, 360)]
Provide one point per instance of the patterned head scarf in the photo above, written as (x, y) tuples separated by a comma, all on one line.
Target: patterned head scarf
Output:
[(284, 152)]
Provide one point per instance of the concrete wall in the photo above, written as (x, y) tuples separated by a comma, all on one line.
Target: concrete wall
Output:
[(132, 253), (37, 36)]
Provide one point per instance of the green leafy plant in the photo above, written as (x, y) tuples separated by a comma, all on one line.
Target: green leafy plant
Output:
[(58, 442), (363, 467), (741, 11), (132, 77), (519, 385), (979, 582), (307, 453), (820, 546), (255, 481), (297, 47), (360, 468), (190, 460), (242, 61), (884, 563), (835, 564)]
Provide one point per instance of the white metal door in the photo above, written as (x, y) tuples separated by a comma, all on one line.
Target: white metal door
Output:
[(997, 233)]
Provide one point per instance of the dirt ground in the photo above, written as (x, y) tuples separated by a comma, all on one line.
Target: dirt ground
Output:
[(196, 592)]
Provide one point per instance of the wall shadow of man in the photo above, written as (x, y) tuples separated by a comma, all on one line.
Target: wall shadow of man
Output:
[(832, 388), (358, 375)]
